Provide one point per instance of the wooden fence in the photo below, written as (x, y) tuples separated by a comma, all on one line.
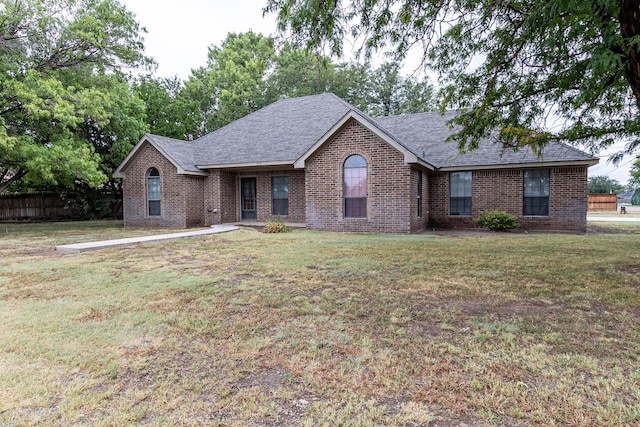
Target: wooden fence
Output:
[(602, 203), (35, 206)]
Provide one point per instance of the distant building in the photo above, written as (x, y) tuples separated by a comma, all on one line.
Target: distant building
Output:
[(625, 198)]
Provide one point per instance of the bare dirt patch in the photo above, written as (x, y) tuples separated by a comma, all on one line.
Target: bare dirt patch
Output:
[(266, 379), (630, 269), (480, 307)]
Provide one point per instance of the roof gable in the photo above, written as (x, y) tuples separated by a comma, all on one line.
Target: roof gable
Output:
[(179, 153), (369, 124)]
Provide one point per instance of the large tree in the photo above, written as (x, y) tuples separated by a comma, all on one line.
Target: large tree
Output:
[(603, 184), (233, 83), (63, 98), (299, 72), (248, 71), (535, 71), (393, 94), (168, 112), (634, 172)]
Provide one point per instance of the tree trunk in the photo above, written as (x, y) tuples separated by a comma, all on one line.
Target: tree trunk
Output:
[(630, 27), (5, 184)]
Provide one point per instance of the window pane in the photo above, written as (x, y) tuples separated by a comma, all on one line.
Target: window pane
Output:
[(355, 162), (460, 206), (355, 207), (461, 184), (536, 193), (153, 187), (356, 182), (460, 188), (153, 192), (154, 207), (280, 207), (355, 187), (536, 183), (280, 195), (280, 187), (536, 206)]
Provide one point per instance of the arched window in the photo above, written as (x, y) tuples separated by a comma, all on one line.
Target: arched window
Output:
[(355, 187), (153, 192)]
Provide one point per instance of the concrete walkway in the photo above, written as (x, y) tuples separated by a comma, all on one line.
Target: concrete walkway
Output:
[(90, 246), (620, 218)]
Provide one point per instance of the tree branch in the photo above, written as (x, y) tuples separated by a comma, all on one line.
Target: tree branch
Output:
[(630, 27), (15, 177)]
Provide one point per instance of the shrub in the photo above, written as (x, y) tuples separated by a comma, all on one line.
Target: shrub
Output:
[(635, 199), (497, 221), (275, 226)]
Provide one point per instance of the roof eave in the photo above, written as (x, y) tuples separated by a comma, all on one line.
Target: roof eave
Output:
[(193, 173), (528, 165), (422, 163), (274, 163)]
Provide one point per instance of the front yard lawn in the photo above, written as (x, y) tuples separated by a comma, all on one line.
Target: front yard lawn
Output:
[(312, 329)]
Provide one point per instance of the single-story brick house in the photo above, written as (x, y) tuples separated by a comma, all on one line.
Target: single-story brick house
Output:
[(319, 161)]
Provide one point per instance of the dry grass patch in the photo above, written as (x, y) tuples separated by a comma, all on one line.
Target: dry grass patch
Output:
[(312, 328)]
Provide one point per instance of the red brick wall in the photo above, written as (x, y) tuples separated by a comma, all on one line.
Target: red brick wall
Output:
[(229, 197), (220, 197), (502, 189), (264, 197), (388, 181), (181, 195), (189, 201), (193, 188), (212, 198), (222, 192), (419, 223)]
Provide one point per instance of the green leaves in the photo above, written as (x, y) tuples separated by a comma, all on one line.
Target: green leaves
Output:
[(603, 184), (634, 181), (552, 69), (497, 221), (233, 84), (63, 101), (168, 110), (61, 163), (248, 72)]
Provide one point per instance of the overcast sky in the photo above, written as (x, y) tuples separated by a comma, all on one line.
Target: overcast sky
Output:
[(179, 33)]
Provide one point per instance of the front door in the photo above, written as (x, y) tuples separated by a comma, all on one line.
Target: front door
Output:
[(248, 198)]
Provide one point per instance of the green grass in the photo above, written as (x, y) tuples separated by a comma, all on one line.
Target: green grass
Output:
[(309, 329)]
